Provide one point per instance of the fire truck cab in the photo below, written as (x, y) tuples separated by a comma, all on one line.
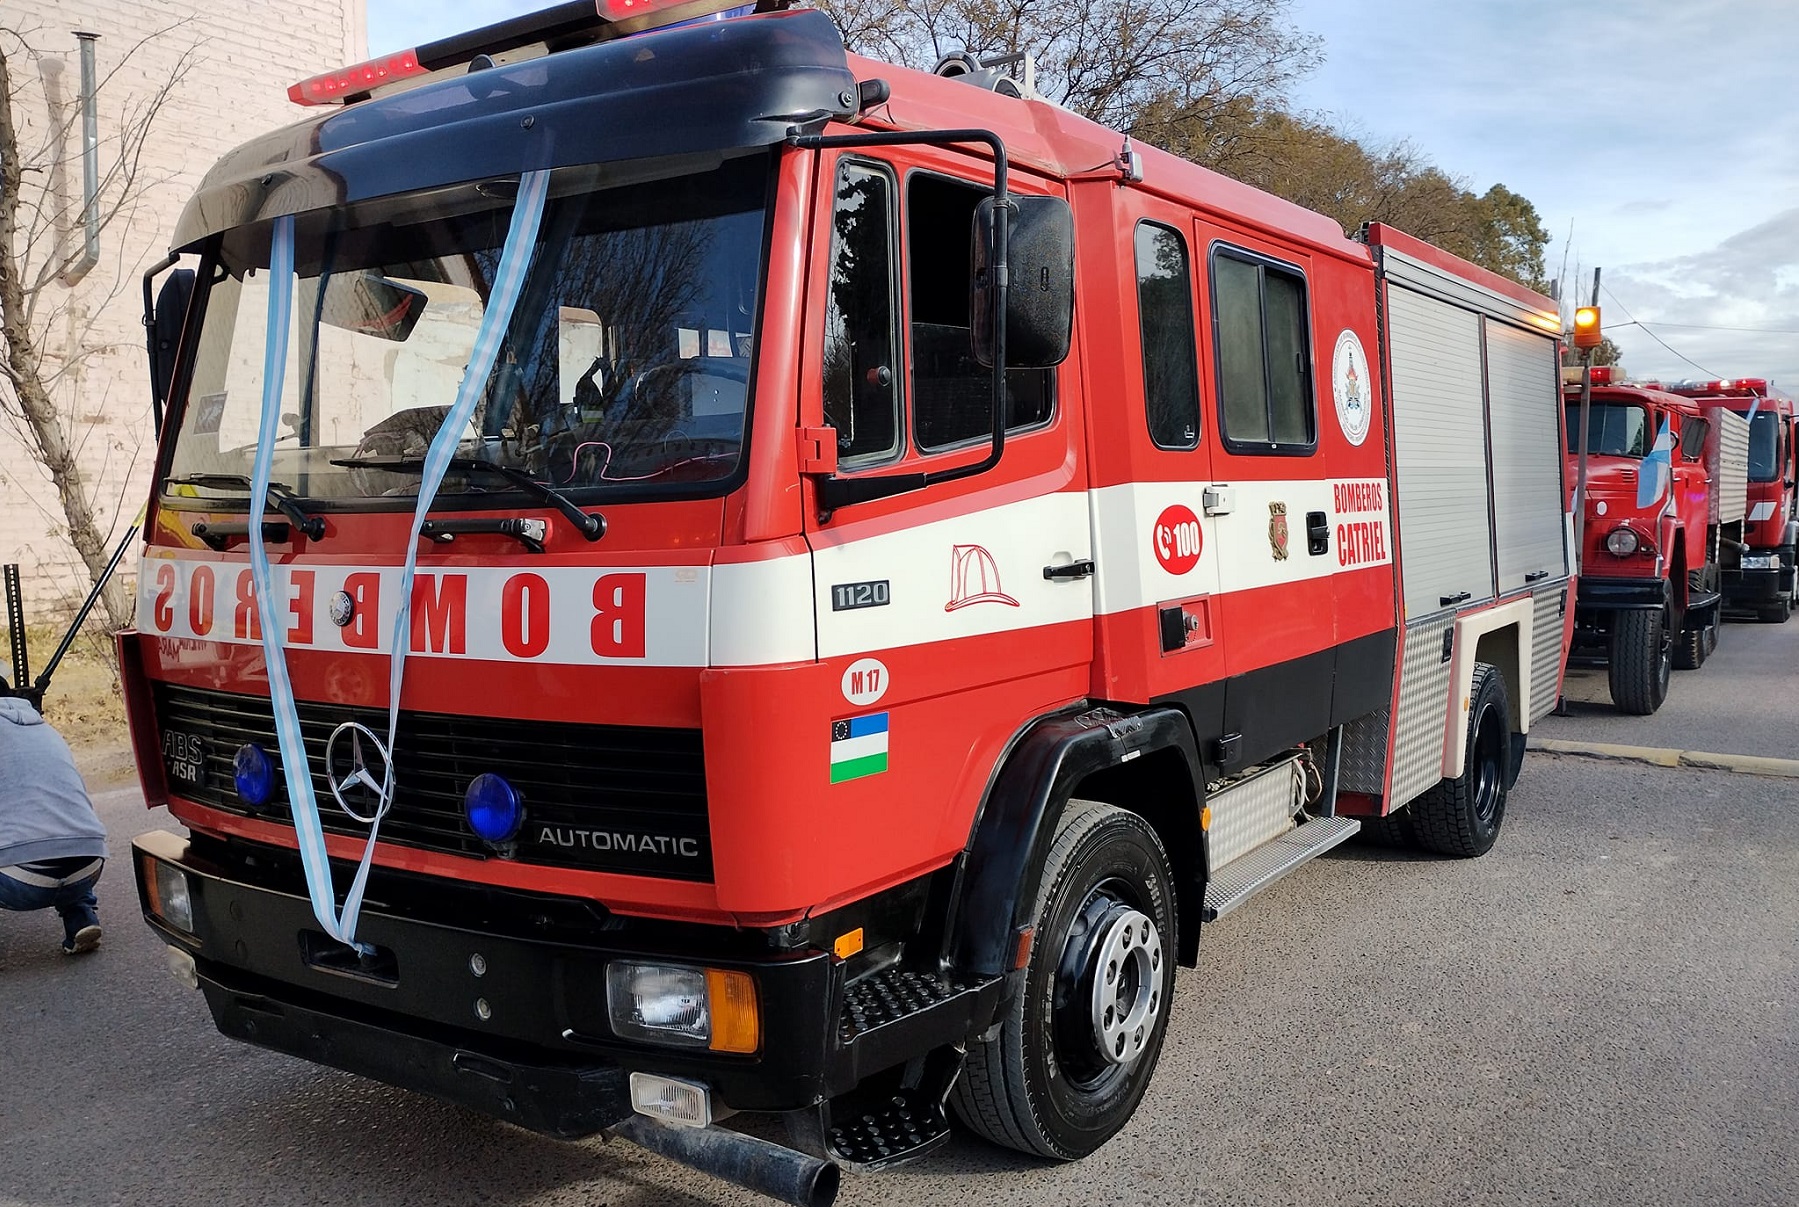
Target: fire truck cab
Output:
[(1757, 573), (1666, 490), (708, 705)]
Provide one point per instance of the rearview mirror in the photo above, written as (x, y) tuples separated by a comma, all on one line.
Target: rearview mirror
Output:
[(1692, 438), (165, 335), (1040, 291), (371, 304)]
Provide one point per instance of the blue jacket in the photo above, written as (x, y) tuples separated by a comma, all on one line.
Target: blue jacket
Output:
[(44, 809)]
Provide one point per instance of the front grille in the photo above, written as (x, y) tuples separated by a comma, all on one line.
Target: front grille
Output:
[(613, 798)]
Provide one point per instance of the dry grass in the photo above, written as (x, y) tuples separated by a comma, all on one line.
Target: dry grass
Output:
[(84, 702)]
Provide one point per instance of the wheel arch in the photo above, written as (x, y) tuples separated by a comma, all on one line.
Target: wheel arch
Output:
[(1089, 755), (1500, 637)]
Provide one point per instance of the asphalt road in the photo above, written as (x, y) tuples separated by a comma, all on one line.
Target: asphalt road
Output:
[(1742, 701), (1605, 1010)]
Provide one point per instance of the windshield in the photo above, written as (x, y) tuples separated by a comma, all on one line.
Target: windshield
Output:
[(1617, 429), (1764, 447), (626, 363)]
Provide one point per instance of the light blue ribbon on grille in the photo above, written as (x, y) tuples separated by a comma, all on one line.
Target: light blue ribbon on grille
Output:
[(515, 261)]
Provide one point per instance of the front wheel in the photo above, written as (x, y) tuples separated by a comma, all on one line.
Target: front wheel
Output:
[(1640, 658), (1077, 1046)]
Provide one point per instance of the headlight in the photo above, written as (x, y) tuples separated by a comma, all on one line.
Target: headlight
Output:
[(169, 896), (683, 1007), (1621, 541)]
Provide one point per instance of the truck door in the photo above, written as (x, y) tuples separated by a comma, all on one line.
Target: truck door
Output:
[(954, 613), (1273, 499), (1152, 456)]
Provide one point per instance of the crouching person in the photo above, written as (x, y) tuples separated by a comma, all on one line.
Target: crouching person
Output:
[(52, 845)]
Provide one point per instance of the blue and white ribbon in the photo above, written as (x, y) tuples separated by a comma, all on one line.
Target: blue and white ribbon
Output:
[(515, 262)]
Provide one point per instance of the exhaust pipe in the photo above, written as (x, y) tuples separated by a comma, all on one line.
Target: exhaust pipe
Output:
[(90, 164), (780, 1173)]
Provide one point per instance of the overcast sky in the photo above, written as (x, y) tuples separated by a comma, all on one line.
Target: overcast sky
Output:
[(1663, 133)]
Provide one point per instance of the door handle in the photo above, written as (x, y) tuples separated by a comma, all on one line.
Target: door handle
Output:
[(1219, 500), (1072, 570), (1318, 533), (1462, 597), (1536, 576)]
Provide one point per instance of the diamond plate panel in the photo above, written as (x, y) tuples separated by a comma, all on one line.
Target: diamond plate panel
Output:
[(1246, 877), (1252, 811), (1545, 650), (1362, 765), (1423, 710)]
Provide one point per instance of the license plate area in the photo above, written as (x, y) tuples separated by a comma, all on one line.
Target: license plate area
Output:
[(378, 967)]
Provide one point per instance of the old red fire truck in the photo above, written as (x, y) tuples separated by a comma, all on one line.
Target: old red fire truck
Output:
[(1757, 573), (1667, 490), (791, 584)]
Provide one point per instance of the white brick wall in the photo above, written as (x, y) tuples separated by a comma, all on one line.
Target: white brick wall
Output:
[(240, 56)]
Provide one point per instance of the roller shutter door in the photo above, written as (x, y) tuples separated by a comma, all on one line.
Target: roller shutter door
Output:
[(1523, 395)]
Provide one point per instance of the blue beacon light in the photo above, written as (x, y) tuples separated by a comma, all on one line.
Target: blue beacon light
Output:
[(494, 809), (254, 775)]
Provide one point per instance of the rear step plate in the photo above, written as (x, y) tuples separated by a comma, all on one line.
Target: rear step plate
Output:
[(1244, 877)]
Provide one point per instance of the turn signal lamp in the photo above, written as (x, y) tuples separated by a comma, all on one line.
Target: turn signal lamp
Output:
[(169, 898), (495, 810), (1586, 327), (254, 775)]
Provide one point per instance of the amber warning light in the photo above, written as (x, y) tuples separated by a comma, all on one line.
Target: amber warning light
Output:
[(1586, 327)]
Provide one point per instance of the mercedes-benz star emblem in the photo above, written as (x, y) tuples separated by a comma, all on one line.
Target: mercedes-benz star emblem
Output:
[(359, 770), (343, 609)]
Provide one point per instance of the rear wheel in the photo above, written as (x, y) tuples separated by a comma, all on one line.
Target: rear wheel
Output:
[(1780, 612), (1692, 648), (1640, 657), (1462, 816), (1076, 1047)]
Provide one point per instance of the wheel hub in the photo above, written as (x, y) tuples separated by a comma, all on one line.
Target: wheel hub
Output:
[(1127, 985)]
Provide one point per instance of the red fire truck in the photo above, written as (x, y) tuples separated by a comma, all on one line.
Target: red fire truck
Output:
[(1666, 495), (1758, 573), (889, 560)]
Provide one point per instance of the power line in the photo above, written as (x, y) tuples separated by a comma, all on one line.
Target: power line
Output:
[(1706, 327), (1652, 335)]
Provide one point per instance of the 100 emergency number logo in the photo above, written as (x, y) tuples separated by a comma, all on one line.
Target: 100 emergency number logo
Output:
[(655, 615)]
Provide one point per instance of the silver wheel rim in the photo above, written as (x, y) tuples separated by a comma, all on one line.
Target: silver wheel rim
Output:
[(1127, 987)]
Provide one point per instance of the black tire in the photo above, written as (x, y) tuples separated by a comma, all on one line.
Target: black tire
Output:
[(1640, 657), (1041, 1085), (1461, 817), (1711, 638), (1394, 830), (1779, 613), (1691, 648)]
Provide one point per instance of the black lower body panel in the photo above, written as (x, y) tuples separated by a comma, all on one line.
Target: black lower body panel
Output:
[(562, 1100)]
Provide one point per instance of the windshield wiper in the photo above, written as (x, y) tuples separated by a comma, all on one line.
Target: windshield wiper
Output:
[(590, 524), (281, 497)]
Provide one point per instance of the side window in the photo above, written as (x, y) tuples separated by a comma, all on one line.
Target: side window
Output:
[(861, 388), (1264, 370), (952, 394), (1165, 312)]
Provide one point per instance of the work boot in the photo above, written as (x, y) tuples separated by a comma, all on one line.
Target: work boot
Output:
[(82, 941)]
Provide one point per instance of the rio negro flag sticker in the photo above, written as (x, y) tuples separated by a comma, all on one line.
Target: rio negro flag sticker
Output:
[(858, 747)]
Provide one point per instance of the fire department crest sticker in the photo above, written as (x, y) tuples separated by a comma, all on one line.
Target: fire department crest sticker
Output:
[(1277, 530), (1350, 387)]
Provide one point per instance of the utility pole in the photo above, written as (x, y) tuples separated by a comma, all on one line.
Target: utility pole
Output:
[(1587, 336)]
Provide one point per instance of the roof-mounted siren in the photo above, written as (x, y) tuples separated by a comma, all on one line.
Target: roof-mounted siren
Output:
[(990, 73), (561, 27)]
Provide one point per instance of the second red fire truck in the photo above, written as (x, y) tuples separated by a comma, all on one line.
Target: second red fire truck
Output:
[(879, 562), (1666, 498)]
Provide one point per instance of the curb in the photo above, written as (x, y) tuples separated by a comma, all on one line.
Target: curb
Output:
[(1658, 756)]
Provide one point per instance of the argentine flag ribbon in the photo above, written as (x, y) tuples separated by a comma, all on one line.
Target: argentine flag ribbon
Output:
[(1657, 470), (515, 261)]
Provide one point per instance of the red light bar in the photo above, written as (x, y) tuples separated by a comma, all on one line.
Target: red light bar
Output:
[(1605, 375), (334, 86)]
